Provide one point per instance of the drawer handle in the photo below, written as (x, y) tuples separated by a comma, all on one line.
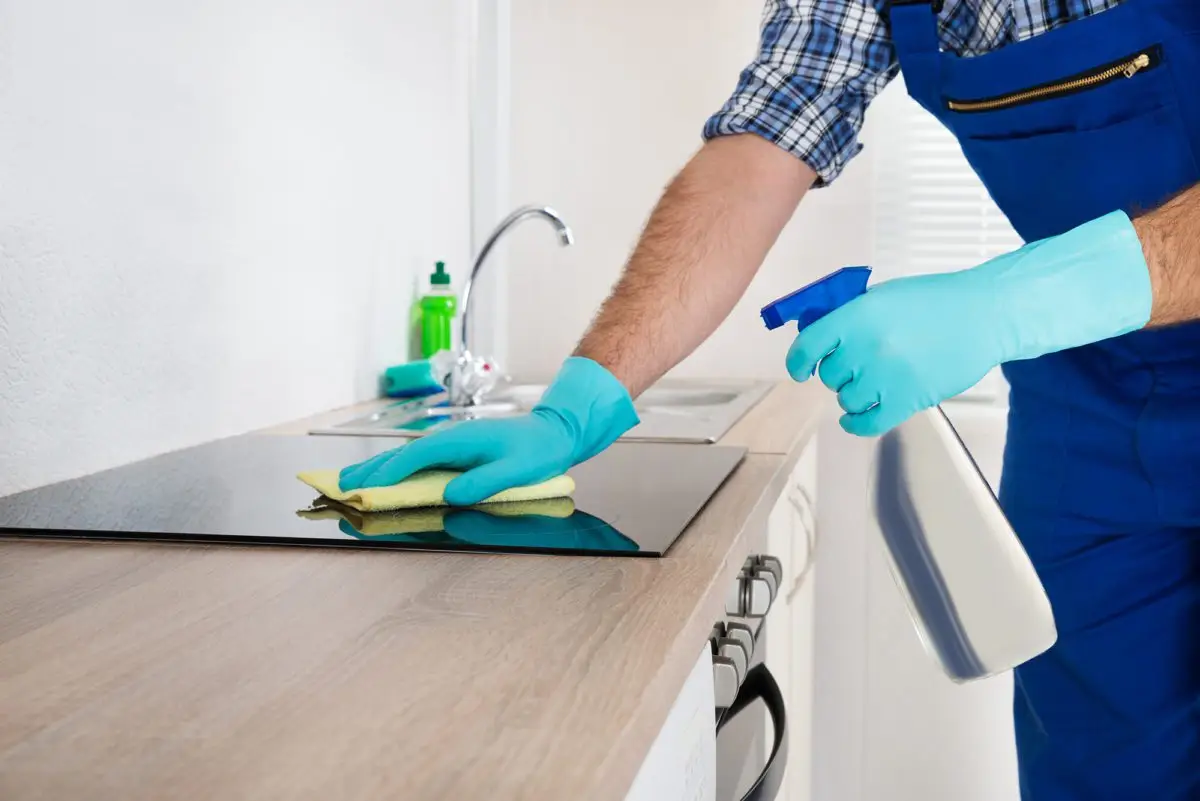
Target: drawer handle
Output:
[(803, 505)]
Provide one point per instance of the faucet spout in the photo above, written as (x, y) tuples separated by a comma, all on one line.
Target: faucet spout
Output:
[(565, 237)]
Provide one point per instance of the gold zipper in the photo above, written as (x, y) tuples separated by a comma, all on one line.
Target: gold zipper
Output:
[(1126, 69)]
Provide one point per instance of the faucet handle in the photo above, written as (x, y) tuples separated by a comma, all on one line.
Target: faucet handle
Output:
[(467, 378)]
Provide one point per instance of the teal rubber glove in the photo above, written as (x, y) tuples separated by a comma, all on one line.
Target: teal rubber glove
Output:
[(583, 412), (911, 343)]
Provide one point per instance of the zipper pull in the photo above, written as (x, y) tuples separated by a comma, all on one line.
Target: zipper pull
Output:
[(1138, 64)]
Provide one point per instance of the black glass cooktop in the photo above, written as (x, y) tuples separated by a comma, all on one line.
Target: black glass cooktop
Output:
[(632, 500)]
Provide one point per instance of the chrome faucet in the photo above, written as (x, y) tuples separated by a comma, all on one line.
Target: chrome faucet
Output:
[(456, 385), (565, 238)]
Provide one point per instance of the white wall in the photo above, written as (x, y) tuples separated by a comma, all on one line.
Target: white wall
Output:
[(608, 100), (210, 213)]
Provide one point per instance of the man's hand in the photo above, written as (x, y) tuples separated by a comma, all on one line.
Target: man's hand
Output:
[(911, 343), (703, 244), (583, 412)]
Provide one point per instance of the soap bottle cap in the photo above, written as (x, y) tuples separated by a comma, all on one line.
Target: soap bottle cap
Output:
[(440, 277)]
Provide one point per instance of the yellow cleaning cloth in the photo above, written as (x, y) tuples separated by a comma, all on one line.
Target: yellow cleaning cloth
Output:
[(424, 489), (401, 521), (423, 521)]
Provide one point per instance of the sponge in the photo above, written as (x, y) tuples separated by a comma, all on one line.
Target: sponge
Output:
[(423, 490), (411, 380)]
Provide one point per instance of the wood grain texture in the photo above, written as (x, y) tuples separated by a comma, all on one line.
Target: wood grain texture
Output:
[(134, 671)]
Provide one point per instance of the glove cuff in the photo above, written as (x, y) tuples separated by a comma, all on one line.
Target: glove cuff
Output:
[(592, 402), (1119, 268), (1086, 285)]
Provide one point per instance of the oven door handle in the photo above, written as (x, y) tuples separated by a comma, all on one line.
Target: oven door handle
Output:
[(761, 685)]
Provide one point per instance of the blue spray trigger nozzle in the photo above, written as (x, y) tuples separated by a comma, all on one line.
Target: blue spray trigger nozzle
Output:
[(810, 303)]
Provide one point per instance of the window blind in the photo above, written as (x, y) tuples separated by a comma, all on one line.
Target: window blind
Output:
[(930, 211)]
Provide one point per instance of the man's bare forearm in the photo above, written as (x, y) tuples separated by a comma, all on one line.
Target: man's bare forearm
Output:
[(1170, 237), (703, 244)]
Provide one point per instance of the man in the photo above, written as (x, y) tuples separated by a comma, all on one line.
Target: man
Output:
[(1083, 120)]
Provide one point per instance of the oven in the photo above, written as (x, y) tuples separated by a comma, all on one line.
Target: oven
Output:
[(725, 737), (751, 716)]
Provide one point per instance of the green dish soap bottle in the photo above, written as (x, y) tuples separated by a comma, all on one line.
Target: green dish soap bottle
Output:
[(438, 308)]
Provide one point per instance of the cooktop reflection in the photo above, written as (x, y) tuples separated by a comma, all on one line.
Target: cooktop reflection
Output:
[(634, 499)]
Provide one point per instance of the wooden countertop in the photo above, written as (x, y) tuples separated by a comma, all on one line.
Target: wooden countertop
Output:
[(133, 671)]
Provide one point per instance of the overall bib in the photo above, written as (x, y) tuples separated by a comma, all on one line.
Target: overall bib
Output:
[(1101, 473)]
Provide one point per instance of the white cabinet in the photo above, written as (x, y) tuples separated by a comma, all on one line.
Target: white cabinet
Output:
[(681, 764), (792, 536)]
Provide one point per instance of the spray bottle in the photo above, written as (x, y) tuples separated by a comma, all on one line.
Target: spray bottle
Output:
[(978, 606)]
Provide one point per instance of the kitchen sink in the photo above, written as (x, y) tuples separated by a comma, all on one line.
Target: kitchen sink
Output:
[(669, 411)]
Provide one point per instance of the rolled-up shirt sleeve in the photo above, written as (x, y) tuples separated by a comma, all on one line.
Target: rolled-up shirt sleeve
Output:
[(820, 64)]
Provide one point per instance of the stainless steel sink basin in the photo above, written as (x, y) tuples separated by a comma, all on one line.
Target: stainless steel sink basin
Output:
[(669, 411), (525, 396)]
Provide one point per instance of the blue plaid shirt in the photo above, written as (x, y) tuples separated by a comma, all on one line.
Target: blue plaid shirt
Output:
[(821, 62)]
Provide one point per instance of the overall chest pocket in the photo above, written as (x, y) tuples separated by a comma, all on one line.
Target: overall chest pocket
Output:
[(1058, 154), (1138, 63)]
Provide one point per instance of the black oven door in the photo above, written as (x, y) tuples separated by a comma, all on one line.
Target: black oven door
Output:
[(749, 766)]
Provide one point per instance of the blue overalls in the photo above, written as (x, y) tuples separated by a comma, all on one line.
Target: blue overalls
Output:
[(1102, 468)]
